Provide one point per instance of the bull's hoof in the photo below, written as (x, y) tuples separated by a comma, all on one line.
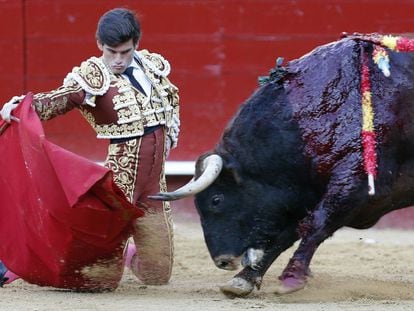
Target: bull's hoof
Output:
[(290, 285), (237, 287)]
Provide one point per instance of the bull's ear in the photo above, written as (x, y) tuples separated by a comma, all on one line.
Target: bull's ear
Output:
[(232, 167), (236, 175)]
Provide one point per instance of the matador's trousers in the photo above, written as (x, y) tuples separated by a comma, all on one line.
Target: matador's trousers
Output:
[(138, 166)]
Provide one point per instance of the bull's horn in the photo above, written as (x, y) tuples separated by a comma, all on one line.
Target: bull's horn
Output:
[(211, 167)]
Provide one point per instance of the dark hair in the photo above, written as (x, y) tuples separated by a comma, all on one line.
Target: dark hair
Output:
[(118, 26)]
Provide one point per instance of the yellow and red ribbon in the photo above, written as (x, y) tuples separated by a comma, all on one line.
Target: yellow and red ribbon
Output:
[(381, 58), (368, 133), (398, 44)]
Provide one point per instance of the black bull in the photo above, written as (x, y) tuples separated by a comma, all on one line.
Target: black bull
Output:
[(290, 165)]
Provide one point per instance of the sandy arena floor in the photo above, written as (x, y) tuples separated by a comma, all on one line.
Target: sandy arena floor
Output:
[(354, 270)]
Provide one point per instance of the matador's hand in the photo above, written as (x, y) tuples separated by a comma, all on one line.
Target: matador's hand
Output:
[(8, 107)]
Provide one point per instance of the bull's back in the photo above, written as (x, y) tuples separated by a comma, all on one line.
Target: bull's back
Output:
[(325, 94)]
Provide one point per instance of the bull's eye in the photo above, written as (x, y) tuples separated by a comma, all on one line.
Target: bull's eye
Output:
[(216, 200)]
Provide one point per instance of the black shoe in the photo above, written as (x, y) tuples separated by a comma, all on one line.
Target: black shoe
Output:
[(3, 271)]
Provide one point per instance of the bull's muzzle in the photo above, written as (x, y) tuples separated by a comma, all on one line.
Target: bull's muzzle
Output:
[(227, 262)]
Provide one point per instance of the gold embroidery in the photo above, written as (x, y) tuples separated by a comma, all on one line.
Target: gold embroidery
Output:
[(155, 62), (128, 114), (56, 102), (134, 110), (167, 213), (92, 75), (112, 130), (124, 99), (123, 161)]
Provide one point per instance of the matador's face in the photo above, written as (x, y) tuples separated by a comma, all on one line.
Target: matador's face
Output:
[(119, 57)]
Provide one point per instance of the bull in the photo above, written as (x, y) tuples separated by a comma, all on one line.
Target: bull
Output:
[(326, 142)]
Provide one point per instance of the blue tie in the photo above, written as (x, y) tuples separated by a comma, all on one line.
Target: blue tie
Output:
[(129, 73)]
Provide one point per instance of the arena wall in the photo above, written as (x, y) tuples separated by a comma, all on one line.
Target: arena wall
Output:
[(217, 50)]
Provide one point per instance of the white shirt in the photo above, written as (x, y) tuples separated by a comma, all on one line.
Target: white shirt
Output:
[(140, 77)]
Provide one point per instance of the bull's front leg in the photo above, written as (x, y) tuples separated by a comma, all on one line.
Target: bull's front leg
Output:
[(294, 276), (330, 215), (252, 274), (244, 282)]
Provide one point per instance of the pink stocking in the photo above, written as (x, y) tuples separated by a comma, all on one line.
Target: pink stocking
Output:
[(131, 251), (11, 277)]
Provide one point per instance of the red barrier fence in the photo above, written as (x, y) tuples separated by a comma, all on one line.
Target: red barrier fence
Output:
[(217, 50)]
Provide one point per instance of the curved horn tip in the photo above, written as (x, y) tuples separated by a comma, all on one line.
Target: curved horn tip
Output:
[(162, 197), (194, 186)]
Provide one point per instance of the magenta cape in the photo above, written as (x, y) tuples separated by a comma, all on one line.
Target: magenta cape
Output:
[(63, 221)]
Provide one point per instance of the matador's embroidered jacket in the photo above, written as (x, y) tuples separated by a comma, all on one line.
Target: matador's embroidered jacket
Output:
[(113, 107)]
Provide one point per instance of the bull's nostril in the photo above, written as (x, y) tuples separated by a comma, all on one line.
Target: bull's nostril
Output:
[(226, 262), (223, 263)]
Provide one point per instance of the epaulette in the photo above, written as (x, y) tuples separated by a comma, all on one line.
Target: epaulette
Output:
[(155, 63), (92, 75)]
